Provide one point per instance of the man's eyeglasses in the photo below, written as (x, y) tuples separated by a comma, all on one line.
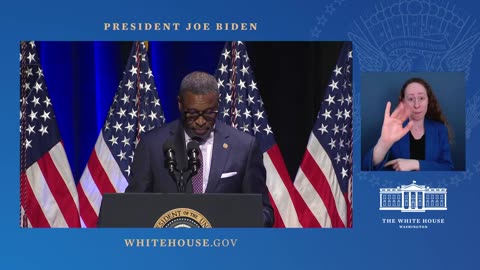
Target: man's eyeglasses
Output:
[(208, 115)]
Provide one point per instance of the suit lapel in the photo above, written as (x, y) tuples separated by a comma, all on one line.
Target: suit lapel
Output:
[(220, 153)]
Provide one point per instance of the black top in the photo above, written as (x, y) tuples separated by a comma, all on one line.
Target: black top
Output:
[(417, 148)]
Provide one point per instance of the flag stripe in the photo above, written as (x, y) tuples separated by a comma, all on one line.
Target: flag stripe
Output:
[(99, 175), (88, 214), (61, 182), (110, 166), (35, 214), (278, 191), (320, 173), (44, 197)]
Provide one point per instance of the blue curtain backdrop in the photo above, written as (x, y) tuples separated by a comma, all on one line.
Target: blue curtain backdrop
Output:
[(82, 78)]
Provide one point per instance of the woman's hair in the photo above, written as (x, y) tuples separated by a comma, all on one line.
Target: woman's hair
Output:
[(434, 112)]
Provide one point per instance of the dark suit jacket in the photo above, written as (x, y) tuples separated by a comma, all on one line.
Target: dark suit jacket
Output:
[(233, 151), (437, 150)]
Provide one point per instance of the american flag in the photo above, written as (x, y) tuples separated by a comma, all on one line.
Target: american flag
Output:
[(241, 106), (135, 109), (48, 196), (324, 179)]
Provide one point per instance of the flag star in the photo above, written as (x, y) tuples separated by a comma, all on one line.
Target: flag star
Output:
[(226, 54), (240, 99), (259, 114), (242, 84), (33, 115), (323, 129), (346, 157), (129, 84), (256, 128), (155, 102), (131, 156), (30, 57), (147, 87), (348, 99), (244, 70), (340, 144), (330, 99), (344, 129), (253, 85), (228, 98), (235, 125), (220, 83), (149, 73), (125, 141), (133, 70), (225, 112), (247, 59), (245, 127), (237, 55), (37, 86), (29, 72), (231, 84), (36, 101), (32, 44), (326, 114), (43, 129), (268, 130), (47, 102), (125, 99), (107, 125), (133, 113), (347, 70), (30, 129), (332, 143), (337, 70), (350, 54), (113, 140), (335, 129), (333, 85), (346, 113), (250, 100), (339, 114), (260, 101), (341, 100), (26, 86), (45, 116), (153, 115), (121, 155), (344, 173), (128, 170), (223, 69), (129, 127), (141, 129), (117, 126), (28, 143), (121, 113), (247, 113), (337, 158), (39, 72)]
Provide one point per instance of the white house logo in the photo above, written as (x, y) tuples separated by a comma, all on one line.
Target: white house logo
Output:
[(413, 198)]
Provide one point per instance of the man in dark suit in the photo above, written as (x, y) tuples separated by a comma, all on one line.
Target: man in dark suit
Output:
[(232, 160)]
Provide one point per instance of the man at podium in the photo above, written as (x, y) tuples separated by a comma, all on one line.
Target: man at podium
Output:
[(229, 160)]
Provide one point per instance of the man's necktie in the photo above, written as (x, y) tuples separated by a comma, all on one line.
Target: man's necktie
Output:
[(197, 179)]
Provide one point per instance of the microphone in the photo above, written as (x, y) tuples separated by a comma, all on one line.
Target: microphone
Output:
[(170, 161), (193, 152)]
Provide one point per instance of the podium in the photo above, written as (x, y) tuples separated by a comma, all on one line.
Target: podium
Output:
[(180, 210)]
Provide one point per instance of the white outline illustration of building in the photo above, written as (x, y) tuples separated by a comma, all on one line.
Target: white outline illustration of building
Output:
[(413, 198)]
